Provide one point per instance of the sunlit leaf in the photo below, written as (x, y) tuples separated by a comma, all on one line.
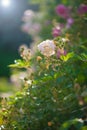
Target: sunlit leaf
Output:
[(20, 64), (67, 57)]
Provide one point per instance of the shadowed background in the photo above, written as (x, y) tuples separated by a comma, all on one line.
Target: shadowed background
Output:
[(11, 36)]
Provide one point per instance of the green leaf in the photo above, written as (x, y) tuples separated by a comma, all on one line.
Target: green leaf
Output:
[(83, 57), (83, 47), (74, 122), (67, 57), (20, 64)]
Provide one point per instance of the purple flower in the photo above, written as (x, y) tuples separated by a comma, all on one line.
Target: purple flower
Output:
[(70, 21), (61, 52), (62, 11), (82, 9), (57, 31)]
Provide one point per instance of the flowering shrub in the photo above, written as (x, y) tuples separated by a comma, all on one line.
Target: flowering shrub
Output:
[(55, 86)]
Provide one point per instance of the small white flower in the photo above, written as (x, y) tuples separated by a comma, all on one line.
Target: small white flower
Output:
[(21, 110), (80, 120), (47, 48), (29, 82), (29, 13), (63, 39), (1, 127)]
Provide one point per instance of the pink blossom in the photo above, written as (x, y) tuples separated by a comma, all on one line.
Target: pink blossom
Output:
[(82, 9), (25, 27), (62, 11), (36, 27), (28, 16), (47, 48), (61, 52), (70, 21), (57, 31)]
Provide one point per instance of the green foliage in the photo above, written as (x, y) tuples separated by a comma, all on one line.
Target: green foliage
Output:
[(55, 90), (20, 64), (67, 57), (6, 86)]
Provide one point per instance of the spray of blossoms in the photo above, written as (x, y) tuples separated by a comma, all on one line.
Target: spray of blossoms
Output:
[(50, 47), (31, 25)]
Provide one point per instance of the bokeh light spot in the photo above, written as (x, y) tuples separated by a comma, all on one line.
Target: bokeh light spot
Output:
[(5, 3)]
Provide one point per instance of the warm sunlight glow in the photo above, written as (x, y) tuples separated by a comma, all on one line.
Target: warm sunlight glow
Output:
[(5, 3)]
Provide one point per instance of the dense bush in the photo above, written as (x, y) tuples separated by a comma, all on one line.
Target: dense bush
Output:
[(55, 86)]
